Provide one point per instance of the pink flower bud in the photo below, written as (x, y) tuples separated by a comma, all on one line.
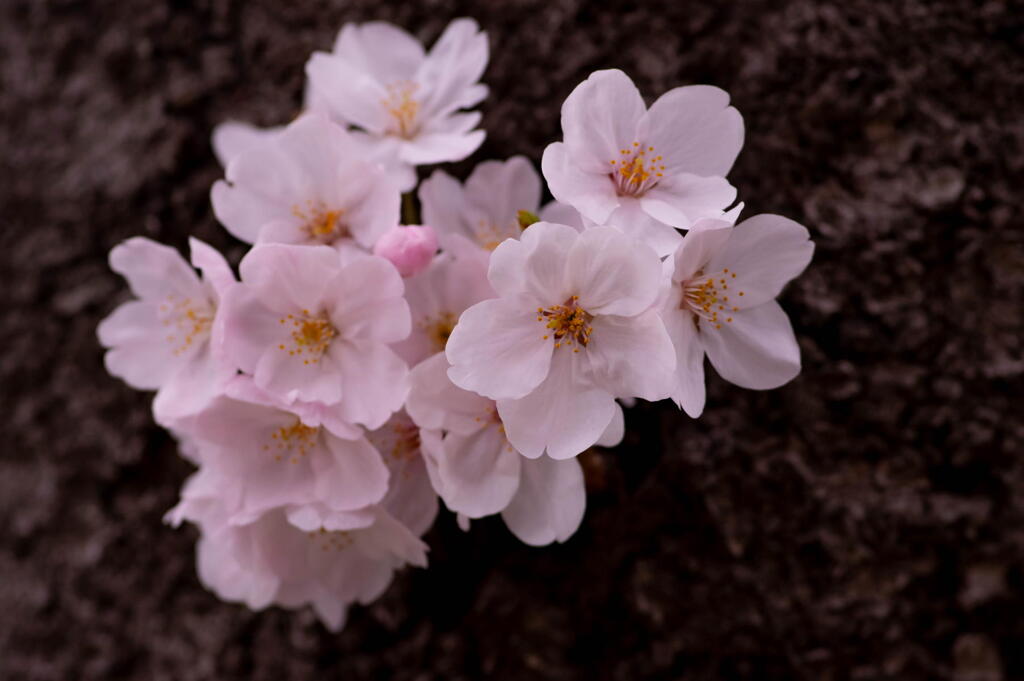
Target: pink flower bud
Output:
[(410, 248)]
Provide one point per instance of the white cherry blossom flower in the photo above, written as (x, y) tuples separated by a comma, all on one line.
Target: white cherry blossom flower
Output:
[(454, 281), (311, 325), (405, 100), (646, 171), (306, 184), (268, 455), (294, 556), (573, 327), (478, 472), (722, 303), (168, 339)]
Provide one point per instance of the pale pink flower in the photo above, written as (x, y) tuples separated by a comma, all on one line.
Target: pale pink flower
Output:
[(268, 455), (405, 100), (312, 325), (410, 248), (573, 328), (307, 184), (478, 472), (168, 339), (411, 498), (722, 303), (645, 171), (296, 555), (454, 281), (231, 138)]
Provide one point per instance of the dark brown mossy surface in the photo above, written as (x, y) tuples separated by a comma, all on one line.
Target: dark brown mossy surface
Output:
[(864, 522)]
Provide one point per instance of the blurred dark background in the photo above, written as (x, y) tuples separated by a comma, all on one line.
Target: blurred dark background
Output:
[(865, 522)]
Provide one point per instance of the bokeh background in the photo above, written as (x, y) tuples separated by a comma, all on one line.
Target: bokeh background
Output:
[(864, 522)]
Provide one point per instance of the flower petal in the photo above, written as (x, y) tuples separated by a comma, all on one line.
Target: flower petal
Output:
[(152, 270), (615, 430), (352, 93), (287, 278), (550, 503), (381, 49), (563, 416), (591, 193), (632, 356), (764, 252), (698, 247), (440, 147), (689, 391), (695, 130), (498, 349), (480, 472), (374, 380), (355, 477), (365, 300), (599, 119), (435, 403), (757, 350), (683, 199), (612, 273)]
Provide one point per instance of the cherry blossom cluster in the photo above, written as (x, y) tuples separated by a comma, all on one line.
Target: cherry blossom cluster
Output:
[(357, 369)]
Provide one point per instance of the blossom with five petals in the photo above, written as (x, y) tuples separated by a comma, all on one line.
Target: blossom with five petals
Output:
[(646, 171), (312, 325), (406, 101), (722, 303), (573, 328), (306, 184), (168, 339)]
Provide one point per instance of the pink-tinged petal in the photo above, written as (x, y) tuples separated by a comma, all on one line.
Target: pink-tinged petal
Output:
[(355, 476), (591, 193), (313, 517), (352, 94), (453, 124), (442, 203), (375, 381), (288, 278), (600, 118), (612, 273), (316, 148), (563, 416), (232, 138), (212, 264), (689, 392), (248, 328), (367, 197), (153, 271), (312, 414), (411, 499), (563, 214), (139, 354), (615, 430), (190, 389), (365, 301), (480, 472), (245, 214), (632, 356), (757, 350), (764, 252), (700, 244), (550, 503), (535, 264), (435, 403), (497, 190), (454, 64), (391, 542), (695, 130), (221, 572), (440, 147), (384, 50), (632, 220), (499, 349), (683, 199), (291, 376)]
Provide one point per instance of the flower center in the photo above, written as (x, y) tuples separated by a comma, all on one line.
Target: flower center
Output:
[(636, 170), (407, 441), (292, 442), (438, 329), (402, 107), (489, 235), (331, 540), (310, 336), (569, 323), (321, 225), (188, 322), (708, 295)]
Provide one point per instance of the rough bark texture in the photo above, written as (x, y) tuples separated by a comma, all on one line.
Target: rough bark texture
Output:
[(864, 522)]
